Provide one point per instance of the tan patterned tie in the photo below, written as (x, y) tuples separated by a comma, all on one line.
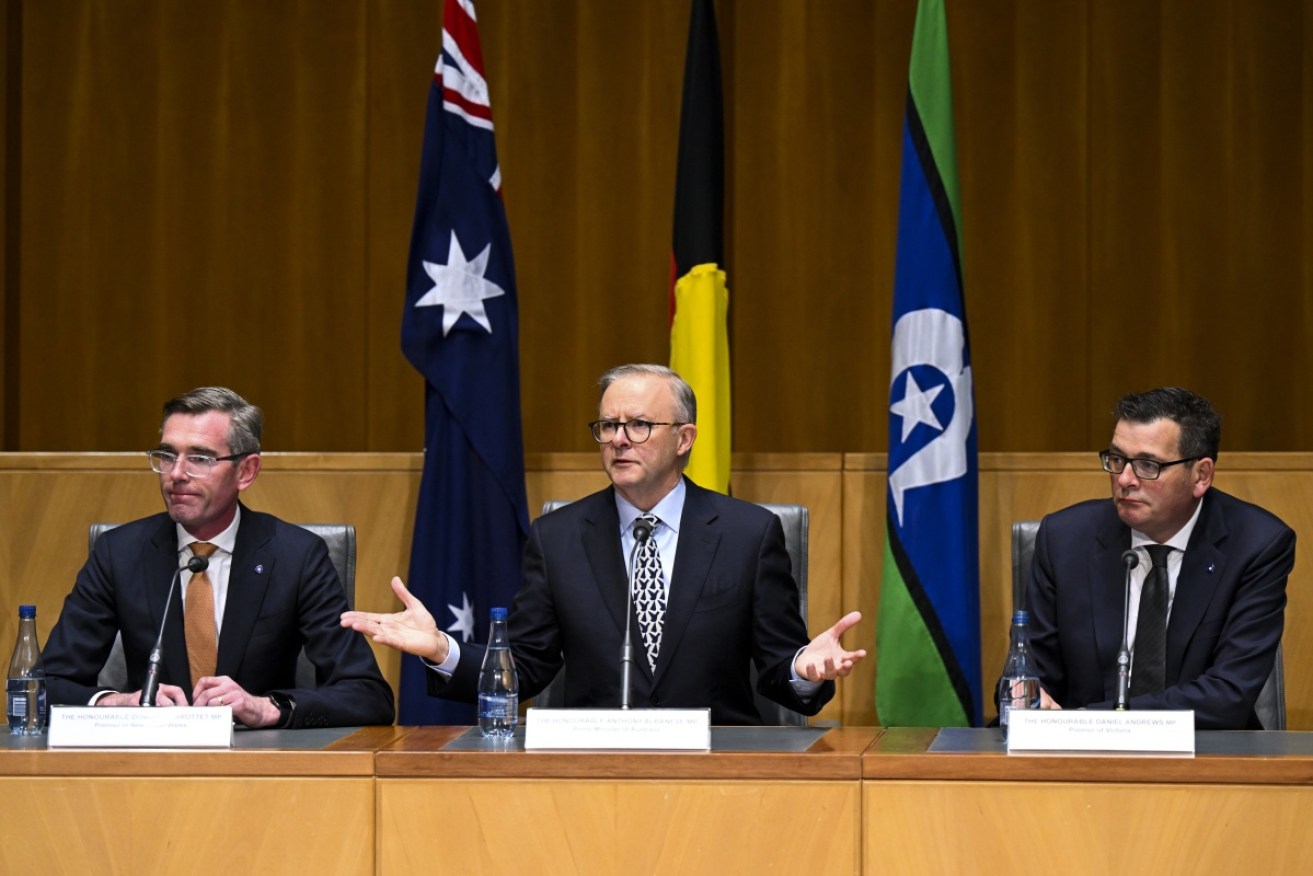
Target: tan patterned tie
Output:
[(198, 620)]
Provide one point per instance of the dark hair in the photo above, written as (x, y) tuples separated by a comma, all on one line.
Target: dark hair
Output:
[(1201, 426), (686, 403), (246, 420)]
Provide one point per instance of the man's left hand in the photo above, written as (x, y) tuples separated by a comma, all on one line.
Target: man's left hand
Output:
[(824, 658), (248, 710)]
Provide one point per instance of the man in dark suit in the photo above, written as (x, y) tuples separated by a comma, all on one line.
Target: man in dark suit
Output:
[(727, 601), (234, 631), (1221, 576)]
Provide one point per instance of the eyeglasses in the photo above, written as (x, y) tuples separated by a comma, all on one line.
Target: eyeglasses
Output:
[(1145, 469), (636, 431), (196, 466)]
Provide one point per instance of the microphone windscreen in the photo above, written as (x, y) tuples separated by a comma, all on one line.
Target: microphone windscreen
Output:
[(1131, 559), (642, 530), (198, 564)]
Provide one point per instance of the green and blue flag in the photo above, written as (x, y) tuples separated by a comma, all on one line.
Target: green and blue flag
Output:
[(928, 629)]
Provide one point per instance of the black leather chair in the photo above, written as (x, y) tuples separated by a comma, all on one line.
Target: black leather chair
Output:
[(1271, 704), (796, 521), (341, 541)]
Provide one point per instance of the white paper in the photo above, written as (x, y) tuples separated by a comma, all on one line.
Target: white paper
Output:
[(1150, 732), (620, 729), (137, 727)]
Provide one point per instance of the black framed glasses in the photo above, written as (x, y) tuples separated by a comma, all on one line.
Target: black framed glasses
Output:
[(1145, 469), (637, 431), (195, 465)]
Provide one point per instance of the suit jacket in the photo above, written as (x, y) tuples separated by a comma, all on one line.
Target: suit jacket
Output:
[(1226, 616), (283, 593), (732, 602)]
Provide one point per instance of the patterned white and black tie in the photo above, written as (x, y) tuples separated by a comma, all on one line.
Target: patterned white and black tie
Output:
[(649, 593)]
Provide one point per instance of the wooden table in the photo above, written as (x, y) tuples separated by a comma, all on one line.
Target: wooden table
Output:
[(485, 808), (954, 802), (395, 800), (281, 801)]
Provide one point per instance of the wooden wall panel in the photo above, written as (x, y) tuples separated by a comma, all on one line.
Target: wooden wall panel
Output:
[(241, 175), (122, 825), (589, 827), (193, 212), (1105, 828), (11, 31)]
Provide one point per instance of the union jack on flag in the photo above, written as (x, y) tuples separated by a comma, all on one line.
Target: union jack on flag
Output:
[(460, 329)]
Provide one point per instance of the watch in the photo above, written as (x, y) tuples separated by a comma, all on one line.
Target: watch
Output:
[(286, 708)]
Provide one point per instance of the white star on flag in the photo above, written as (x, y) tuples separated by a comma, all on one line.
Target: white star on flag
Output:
[(460, 287), (464, 618), (915, 407)]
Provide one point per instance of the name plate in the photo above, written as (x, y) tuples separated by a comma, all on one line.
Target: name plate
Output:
[(137, 727), (618, 729), (1148, 732)]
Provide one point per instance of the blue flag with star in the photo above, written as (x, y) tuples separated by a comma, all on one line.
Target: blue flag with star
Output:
[(928, 626), (461, 331)]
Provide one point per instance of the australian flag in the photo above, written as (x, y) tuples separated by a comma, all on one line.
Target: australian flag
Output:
[(461, 331)]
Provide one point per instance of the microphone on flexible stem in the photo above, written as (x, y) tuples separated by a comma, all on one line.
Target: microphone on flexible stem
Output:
[(1131, 559), (642, 532), (151, 687)]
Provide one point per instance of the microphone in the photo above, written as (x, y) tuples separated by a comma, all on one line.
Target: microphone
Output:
[(1131, 559), (151, 687), (642, 532)]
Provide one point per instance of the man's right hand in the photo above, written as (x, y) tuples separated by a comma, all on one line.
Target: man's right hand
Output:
[(167, 695), (413, 630)]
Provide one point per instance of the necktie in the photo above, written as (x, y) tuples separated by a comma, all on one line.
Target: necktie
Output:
[(1149, 671), (649, 593), (198, 619)]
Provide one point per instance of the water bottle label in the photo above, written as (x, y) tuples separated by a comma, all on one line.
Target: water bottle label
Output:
[(18, 705)]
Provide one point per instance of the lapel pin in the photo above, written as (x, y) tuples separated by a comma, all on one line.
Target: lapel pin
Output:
[(1210, 568), (259, 570)]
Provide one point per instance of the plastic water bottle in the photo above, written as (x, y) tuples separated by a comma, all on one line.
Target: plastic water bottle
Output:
[(499, 683), (1019, 686), (26, 691)]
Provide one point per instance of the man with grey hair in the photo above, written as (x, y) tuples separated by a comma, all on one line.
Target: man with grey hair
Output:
[(234, 629), (717, 593)]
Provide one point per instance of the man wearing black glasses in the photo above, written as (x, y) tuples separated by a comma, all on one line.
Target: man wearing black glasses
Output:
[(1208, 589), (235, 628), (714, 595)]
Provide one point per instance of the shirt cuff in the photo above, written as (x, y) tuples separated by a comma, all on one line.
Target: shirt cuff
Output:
[(802, 687), (447, 667)]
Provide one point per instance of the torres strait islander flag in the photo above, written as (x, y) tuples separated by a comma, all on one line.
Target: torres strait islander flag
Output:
[(461, 331), (928, 629), (699, 296)]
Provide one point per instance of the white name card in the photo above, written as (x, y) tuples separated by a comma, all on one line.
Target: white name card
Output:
[(137, 727), (620, 729), (1149, 732)]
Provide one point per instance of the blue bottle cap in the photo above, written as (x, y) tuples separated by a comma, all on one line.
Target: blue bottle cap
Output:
[(26, 611), (1021, 616), (499, 614)]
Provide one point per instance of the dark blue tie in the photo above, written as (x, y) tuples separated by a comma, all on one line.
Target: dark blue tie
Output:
[(1149, 671)]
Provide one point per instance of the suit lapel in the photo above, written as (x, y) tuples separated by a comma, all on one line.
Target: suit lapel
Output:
[(599, 530), (160, 563), (1107, 589), (1202, 569), (699, 538), (248, 580)]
